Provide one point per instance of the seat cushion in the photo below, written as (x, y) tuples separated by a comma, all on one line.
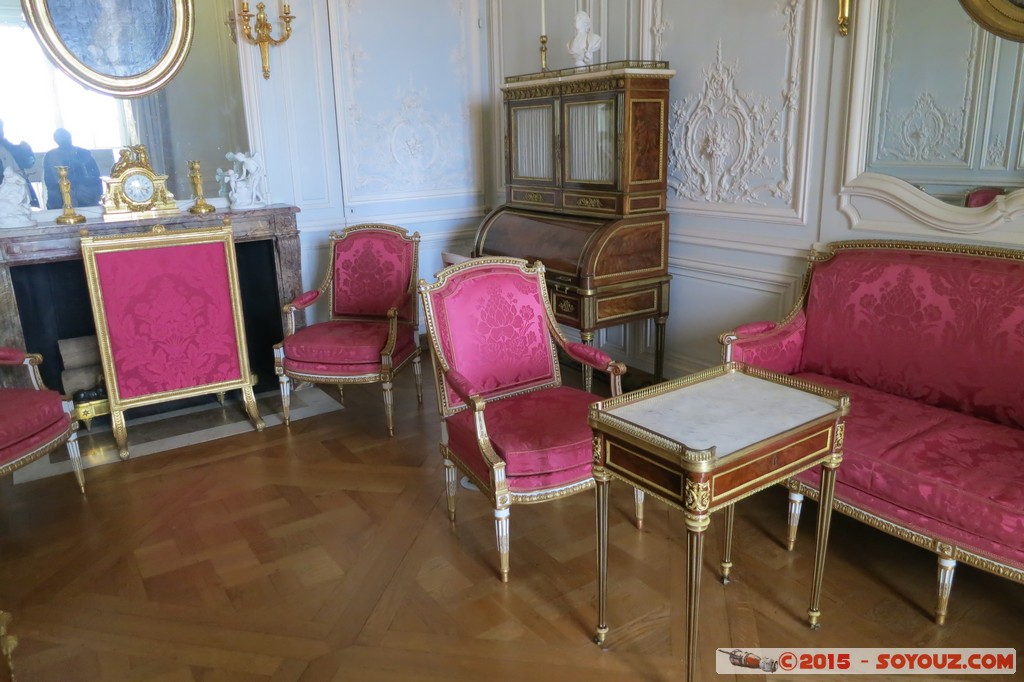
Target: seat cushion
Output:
[(28, 419), (341, 342), (964, 473), (539, 435)]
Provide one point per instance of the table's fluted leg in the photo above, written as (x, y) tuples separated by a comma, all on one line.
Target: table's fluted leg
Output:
[(828, 486), (730, 520), (697, 502), (601, 491), (694, 557)]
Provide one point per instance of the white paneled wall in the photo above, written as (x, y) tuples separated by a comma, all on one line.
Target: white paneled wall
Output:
[(391, 112)]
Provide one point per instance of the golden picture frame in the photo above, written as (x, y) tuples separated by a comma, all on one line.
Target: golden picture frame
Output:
[(1005, 18), (125, 48)]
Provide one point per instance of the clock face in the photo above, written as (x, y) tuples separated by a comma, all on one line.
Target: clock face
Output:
[(138, 188)]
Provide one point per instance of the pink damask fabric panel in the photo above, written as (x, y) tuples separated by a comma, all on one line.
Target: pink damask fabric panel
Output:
[(169, 317), (938, 328), (372, 270), (491, 326)]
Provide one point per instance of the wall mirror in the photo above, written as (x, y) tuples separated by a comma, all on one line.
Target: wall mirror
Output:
[(935, 113), (120, 47), (198, 114)]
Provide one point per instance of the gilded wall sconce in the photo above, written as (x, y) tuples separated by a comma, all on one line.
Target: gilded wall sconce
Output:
[(263, 29), (844, 17)]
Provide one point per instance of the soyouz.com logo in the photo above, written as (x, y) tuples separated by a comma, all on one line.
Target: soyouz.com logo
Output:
[(866, 661)]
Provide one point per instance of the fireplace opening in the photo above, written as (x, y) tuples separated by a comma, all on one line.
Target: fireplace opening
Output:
[(53, 304)]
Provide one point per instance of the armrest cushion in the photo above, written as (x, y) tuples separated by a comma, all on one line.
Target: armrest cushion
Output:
[(401, 305), (465, 389), (306, 299), (11, 356), (589, 355), (763, 344)]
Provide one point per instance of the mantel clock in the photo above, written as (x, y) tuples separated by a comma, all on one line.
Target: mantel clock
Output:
[(134, 190)]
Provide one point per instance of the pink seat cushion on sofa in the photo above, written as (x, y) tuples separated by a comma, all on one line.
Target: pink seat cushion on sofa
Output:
[(963, 473), (946, 330), (28, 418), (340, 342), (542, 436)]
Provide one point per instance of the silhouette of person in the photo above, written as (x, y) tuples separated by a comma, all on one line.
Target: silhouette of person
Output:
[(83, 173), (20, 158)]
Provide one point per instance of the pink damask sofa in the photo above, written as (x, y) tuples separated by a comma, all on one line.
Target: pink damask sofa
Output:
[(928, 340)]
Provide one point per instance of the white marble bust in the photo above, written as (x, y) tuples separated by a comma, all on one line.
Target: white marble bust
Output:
[(585, 43)]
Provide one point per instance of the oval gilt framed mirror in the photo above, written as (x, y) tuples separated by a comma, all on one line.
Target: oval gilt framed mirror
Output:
[(125, 48), (1005, 18)]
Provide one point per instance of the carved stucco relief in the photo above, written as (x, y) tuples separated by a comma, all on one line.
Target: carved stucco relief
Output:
[(733, 147), (925, 131), (406, 140)]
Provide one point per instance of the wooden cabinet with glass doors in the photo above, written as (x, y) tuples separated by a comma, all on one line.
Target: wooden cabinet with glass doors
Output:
[(586, 154)]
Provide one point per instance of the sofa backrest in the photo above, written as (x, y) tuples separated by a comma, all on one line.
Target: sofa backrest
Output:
[(936, 323)]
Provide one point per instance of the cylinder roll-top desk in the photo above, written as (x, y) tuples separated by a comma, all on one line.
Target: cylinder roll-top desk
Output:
[(585, 157)]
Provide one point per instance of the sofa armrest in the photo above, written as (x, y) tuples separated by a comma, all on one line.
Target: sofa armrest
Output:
[(777, 347)]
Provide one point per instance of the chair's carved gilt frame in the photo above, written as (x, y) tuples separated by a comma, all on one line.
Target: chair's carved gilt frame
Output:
[(160, 237)]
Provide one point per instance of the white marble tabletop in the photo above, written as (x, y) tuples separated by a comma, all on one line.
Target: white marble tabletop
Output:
[(729, 412)]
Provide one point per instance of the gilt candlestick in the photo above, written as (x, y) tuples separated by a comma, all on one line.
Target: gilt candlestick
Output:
[(69, 217)]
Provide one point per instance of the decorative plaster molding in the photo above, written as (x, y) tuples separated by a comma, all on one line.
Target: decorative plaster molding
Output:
[(720, 142), (995, 155), (744, 154), (659, 24), (417, 145), (924, 133)]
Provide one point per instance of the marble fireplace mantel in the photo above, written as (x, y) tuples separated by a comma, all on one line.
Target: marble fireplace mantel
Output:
[(51, 243)]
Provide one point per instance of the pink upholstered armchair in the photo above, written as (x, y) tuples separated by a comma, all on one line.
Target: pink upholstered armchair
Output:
[(374, 317), (508, 422), (34, 421)]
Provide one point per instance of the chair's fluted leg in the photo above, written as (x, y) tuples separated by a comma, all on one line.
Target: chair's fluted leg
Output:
[(72, 444), (638, 505), (501, 530), (341, 394), (389, 407), (76, 460), (418, 371), (796, 501), (451, 486), (946, 568), (286, 398), (588, 371)]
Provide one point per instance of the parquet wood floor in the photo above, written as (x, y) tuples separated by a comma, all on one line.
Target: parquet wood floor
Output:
[(323, 552)]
